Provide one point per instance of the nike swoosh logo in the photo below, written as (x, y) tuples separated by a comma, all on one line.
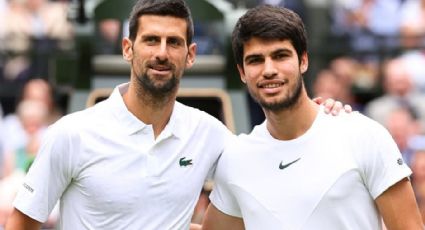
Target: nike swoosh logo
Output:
[(281, 166)]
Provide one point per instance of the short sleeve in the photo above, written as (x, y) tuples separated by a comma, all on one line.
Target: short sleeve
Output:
[(48, 176), (222, 137), (221, 196), (382, 164)]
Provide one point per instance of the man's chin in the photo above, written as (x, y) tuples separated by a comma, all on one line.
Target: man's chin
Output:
[(163, 89), (276, 105)]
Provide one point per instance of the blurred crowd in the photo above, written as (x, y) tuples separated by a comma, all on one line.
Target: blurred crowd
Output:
[(29, 30), (379, 71)]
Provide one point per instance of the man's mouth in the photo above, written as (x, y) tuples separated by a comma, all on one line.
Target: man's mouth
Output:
[(160, 67), (272, 84)]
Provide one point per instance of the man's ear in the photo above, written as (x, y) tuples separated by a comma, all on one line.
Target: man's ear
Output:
[(191, 53), (127, 49), (241, 74), (304, 63)]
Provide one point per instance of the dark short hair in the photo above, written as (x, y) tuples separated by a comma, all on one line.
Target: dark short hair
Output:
[(270, 23), (174, 8)]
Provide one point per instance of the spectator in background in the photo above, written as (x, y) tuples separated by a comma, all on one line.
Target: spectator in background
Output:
[(109, 36), (412, 25), (32, 114), (398, 91), (412, 31), (32, 28), (403, 126), (12, 133), (327, 85), (345, 68), (296, 5), (349, 73), (415, 63), (361, 21)]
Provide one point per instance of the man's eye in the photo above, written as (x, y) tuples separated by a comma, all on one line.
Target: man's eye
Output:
[(151, 40), (254, 61), (174, 42), (280, 56)]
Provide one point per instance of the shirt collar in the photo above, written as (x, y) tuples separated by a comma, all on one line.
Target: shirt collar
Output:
[(131, 124)]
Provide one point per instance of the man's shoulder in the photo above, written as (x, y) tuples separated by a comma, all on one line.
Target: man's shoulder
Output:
[(245, 142), (195, 116), (355, 126), (80, 119), (354, 119)]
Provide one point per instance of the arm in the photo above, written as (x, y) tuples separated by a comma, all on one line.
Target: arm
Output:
[(20, 221), (398, 207), (195, 226), (214, 219)]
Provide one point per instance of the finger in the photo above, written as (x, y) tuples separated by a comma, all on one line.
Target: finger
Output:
[(348, 108), (318, 100), (337, 107), (329, 104)]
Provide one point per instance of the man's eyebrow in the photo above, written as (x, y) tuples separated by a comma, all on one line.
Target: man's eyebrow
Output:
[(144, 36), (282, 50), (252, 56)]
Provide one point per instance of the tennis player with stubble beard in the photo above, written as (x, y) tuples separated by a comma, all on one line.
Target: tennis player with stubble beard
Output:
[(301, 169)]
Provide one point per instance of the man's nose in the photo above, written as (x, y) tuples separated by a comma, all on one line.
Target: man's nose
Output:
[(162, 52), (269, 70)]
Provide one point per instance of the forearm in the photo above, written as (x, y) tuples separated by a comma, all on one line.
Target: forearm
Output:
[(214, 219), (398, 207), (20, 221)]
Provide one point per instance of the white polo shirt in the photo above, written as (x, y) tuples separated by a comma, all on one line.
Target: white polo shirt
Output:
[(328, 178), (110, 173)]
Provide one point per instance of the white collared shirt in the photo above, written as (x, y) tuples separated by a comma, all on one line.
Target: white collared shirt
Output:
[(110, 173)]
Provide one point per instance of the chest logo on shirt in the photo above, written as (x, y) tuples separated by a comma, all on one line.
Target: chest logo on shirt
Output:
[(184, 163), (284, 166)]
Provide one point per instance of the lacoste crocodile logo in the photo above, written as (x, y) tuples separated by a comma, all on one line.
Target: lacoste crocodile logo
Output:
[(185, 163), (281, 166)]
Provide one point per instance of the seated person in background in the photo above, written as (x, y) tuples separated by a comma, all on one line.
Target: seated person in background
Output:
[(12, 133), (412, 23), (403, 125), (327, 85), (398, 91), (28, 23), (32, 115)]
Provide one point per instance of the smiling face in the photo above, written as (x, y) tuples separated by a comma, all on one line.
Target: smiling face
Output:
[(272, 72), (159, 54)]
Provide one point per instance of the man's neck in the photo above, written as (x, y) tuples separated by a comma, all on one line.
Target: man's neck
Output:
[(293, 122), (149, 109)]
